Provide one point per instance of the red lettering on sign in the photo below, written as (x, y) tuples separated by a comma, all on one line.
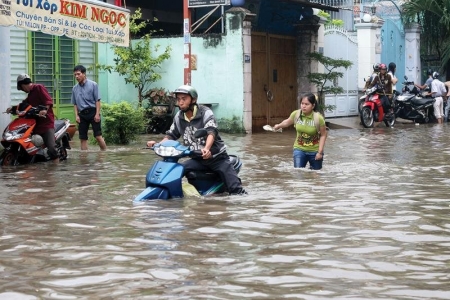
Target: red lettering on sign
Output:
[(73, 9)]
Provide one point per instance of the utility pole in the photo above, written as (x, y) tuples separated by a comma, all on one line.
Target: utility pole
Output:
[(187, 42)]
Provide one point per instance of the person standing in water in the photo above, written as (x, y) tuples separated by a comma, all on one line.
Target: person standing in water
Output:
[(311, 133)]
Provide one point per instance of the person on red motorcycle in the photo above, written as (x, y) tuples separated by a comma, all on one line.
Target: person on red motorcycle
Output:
[(383, 82), (45, 123), (376, 71)]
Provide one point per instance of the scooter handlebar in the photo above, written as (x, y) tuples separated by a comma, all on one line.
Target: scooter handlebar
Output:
[(196, 154)]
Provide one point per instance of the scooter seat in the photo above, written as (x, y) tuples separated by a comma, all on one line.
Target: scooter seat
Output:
[(59, 124), (422, 101)]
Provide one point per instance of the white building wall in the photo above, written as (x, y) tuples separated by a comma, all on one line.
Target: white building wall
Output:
[(19, 62)]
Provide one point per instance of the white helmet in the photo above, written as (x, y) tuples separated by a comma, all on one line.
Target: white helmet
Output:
[(22, 79)]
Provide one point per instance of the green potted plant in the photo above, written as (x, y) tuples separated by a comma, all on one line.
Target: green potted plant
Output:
[(160, 100)]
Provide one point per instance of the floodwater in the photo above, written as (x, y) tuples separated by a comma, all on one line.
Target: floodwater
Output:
[(373, 224)]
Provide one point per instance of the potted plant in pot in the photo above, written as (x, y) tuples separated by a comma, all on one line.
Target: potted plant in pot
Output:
[(159, 110), (160, 100)]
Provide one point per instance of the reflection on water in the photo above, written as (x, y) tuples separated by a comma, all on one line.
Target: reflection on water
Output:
[(373, 224)]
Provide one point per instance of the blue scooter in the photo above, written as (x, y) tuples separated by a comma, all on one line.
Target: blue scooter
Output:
[(164, 179)]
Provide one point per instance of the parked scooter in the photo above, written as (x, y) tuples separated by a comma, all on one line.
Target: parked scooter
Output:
[(414, 104), (22, 146), (372, 110), (164, 179)]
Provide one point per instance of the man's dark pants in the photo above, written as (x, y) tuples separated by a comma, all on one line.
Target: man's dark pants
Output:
[(87, 118), (49, 141), (221, 165)]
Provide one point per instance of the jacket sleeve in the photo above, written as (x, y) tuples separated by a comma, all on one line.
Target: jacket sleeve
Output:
[(374, 81), (209, 121), (174, 132)]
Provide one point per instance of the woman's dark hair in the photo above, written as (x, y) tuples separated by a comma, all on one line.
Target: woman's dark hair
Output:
[(392, 67), (80, 68), (311, 98)]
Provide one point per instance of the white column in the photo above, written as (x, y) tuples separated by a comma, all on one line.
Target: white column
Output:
[(5, 83), (369, 49), (247, 47), (412, 53), (321, 42)]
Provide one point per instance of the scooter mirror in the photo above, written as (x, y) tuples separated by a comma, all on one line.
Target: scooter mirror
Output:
[(406, 78), (200, 133)]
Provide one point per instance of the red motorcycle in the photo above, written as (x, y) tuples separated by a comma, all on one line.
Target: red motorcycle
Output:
[(22, 146), (372, 110)]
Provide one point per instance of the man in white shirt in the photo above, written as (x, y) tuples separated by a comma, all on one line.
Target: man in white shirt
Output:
[(438, 91)]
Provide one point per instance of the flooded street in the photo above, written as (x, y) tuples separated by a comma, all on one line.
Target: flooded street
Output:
[(372, 224)]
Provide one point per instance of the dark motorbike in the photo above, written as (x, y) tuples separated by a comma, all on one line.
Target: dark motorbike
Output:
[(414, 104)]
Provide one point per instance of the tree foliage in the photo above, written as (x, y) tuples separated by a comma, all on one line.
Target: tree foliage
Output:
[(434, 18), (326, 82), (138, 63), (329, 21)]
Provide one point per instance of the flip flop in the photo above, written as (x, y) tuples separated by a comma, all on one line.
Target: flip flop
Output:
[(270, 128)]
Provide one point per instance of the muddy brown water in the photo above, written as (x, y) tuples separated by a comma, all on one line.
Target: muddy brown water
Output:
[(373, 224)]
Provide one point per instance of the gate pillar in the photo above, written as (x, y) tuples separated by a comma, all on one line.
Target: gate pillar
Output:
[(412, 46), (369, 49), (307, 41)]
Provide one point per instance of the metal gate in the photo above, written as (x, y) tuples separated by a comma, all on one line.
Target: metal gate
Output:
[(392, 33), (393, 43), (346, 104)]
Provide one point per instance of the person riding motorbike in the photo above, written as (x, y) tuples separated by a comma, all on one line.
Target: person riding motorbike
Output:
[(186, 122), (45, 123), (383, 82), (376, 71)]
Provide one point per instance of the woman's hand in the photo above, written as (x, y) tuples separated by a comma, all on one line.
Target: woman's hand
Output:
[(319, 156)]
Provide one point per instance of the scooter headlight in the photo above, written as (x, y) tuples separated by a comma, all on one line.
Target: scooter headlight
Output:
[(167, 151), (402, 98), (13, 134)]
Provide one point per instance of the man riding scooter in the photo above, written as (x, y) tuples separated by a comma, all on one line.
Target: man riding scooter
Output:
[(45, 124), (186, 122)]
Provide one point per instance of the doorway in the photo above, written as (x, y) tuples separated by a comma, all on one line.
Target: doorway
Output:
[(274, 79)]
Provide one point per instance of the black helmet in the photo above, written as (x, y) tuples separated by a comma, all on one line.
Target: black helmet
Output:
[(376, 67), (435, 75), (187, 89), (22, 79), (430, 72)]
